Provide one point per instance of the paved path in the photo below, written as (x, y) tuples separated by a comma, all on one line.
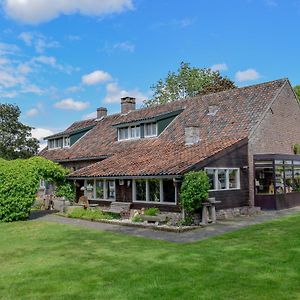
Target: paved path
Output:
[(184, 237)]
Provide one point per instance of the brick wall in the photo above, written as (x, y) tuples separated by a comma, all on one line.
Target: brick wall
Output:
[(277, 133)]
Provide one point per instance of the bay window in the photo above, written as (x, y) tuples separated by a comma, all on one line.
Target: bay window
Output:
[(100, 189), (223, 178)]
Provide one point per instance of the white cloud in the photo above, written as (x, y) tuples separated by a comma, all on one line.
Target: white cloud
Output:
[(247, 75), (38, 41), (125, 46), (219, 67), (40, 134), (8, 79), (37, 11), (51, 61), (74, 89), (114, 93), (32, 112), (8, 49), (96, 77), (71, 37), (71, 104), (91, 115)]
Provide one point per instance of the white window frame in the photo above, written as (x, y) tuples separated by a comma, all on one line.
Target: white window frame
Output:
[(216, 178), (150, 135), (104, 189), (161, 193), (130, 137)]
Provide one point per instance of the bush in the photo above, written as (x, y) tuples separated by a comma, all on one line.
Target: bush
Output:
[(91, 214), (194, 191), (137, 218), (19, 182), (296, 148), (66, 190), (153, 211)]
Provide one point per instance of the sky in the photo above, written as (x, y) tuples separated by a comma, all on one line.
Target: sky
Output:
[(61, 59)]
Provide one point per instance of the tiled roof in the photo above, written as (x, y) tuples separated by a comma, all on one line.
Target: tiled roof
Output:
[(239, 110)]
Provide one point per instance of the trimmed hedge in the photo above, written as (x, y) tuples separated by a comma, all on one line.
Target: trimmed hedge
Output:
[(19, 182)]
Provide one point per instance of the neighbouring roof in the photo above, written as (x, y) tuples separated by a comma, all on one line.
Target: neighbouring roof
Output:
[(239, 112)]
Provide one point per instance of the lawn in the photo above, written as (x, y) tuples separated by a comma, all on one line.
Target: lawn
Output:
[(53, 261)]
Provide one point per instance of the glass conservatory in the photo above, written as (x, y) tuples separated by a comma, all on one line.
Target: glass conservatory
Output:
[(277, 181)]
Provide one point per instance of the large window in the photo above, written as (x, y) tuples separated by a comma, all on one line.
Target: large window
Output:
[(223, 178), (57, 143), (150, 129), (154, 190), (264, 183), (100, 189), (129, 133)]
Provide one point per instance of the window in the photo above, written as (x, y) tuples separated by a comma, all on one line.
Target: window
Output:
[(129, 133), (140, 185), (223, 178), (288, 177), (111, 189), (264, 183), (59, 143), (154, 190), (279, 179), (99, 189), (150, 129)]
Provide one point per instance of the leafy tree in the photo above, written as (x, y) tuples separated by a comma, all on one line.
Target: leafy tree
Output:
[(188, 82), (15, 138), (193, 192), (297, 91), (19, 182)]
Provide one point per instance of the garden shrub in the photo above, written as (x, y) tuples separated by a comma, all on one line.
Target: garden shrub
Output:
[(19, 182), (67, 190), (152, 211), (91, 214), (296, 148), (194, 191)]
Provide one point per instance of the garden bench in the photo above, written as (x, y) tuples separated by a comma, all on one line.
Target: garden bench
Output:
[(118, 208)]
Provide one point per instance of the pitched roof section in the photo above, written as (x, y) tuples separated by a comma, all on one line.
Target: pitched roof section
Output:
[(239, 110)]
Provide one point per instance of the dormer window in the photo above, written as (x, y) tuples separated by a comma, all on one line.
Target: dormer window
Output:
[(57, 143), (129, 133), (150, 129)]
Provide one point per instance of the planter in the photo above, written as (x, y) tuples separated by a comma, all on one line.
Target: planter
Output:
[(154, 219)]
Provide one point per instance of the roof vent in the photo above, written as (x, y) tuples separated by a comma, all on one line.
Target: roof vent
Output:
[(101, 112), (212, 110), (192, 135)]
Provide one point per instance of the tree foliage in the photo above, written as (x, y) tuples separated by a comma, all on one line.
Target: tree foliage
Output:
[(194, 191), (15, 138), (19, 182), (188, 82), (297, 91)]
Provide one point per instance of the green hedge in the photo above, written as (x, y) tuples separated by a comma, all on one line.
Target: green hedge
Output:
[(19, 182)]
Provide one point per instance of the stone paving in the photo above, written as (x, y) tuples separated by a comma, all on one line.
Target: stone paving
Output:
[(184, 237)]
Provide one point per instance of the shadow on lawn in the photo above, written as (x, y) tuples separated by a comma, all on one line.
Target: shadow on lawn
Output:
[(36, 214)]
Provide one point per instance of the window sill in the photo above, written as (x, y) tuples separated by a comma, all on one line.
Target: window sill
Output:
[(225, 190), (108, 200), (157, 203)]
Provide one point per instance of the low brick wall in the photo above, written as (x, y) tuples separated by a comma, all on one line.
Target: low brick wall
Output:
[(230, 213)]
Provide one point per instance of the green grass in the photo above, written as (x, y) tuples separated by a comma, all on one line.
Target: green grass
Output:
[(91, 214), (53, 261)]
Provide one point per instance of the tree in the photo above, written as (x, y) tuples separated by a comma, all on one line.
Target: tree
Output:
[(297, 91), (188, 82), (15, 138)]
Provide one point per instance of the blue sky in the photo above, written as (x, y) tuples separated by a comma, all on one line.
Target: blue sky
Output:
[(60, 59)]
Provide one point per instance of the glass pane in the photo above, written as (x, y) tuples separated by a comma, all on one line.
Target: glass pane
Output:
[(279, 180), (288, 162), (211, 177), (140, 190), (99, 189), (264, 183), (221, 184), (233, 179), (289, 184), (297, 178), (279, 162), (169, 190), (137, 131), (154, 190), (263, 162), (110, 184), (296, 162)]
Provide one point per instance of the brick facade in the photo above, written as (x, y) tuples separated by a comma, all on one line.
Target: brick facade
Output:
[(277, 133)]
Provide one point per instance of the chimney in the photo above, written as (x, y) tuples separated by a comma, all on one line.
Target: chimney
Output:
[(192, 135), (101, 112), (127, 104)]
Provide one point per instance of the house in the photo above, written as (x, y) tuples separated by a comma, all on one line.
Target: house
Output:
[(243, 138)]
